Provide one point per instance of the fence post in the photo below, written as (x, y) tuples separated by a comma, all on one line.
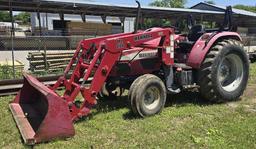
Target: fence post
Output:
[(249, 45), (12, 35), (45, 55), (38, 45)]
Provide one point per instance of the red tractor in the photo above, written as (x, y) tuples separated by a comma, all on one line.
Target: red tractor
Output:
[(150, 64)]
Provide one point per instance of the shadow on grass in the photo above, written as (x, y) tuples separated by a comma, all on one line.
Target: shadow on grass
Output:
[(107, 105), (178, 100), (186, 97), (27, 146)]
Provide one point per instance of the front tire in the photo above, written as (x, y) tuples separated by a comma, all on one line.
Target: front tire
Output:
[(224, 73), (147, 95)]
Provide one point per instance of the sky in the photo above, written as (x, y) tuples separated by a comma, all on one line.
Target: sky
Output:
[(189, 2)]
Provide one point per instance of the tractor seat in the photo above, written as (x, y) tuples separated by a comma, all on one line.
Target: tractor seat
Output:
[(196, 32), (186, 45)]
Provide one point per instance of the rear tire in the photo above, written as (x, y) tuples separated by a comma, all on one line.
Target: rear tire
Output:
[(224, 73), (147, 95)]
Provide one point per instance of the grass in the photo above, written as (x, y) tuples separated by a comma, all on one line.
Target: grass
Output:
[(252, 79), (6, 72), (186, 122)]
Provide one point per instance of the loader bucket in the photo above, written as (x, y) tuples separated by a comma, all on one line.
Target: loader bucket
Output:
[(40, 114)]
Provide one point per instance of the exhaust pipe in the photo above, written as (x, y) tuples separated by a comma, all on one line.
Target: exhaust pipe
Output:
[(137, 17), (40, 114)]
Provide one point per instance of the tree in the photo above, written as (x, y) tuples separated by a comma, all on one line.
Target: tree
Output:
[(169, 3), (5, 16), (24, 17), (210, 2), (152, 22), (247, 8)]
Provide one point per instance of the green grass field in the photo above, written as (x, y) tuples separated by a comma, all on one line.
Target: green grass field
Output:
[(186, 122)]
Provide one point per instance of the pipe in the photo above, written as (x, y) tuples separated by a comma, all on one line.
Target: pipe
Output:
[(138, 17)]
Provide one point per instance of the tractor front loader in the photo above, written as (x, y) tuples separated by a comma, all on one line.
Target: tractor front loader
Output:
[(149, 63), (41, 114)]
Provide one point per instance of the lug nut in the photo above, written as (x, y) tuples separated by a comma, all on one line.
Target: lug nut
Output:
[(70, 104)]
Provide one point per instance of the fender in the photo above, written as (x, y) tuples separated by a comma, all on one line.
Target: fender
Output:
[(204, 44)]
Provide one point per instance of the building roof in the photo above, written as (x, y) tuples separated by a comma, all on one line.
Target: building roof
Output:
[(206, 6), (101, 9), (201, 11)]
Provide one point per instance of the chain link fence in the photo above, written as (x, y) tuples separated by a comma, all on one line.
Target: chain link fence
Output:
[(250, 47), (38, 43), (39, 55), (250, 43)]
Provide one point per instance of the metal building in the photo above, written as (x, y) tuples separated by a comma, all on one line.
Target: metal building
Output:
[(243, 20)]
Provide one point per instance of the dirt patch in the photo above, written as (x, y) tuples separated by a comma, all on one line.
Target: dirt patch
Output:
[(178, 121), (248, 98), (250, 110), (232, 104), (250, 91)]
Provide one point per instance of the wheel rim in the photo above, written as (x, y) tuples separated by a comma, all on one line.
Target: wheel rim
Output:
[(230, 72), (151, 98)]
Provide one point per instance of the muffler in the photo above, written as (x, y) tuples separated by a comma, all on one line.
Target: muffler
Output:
[(40, 114)]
